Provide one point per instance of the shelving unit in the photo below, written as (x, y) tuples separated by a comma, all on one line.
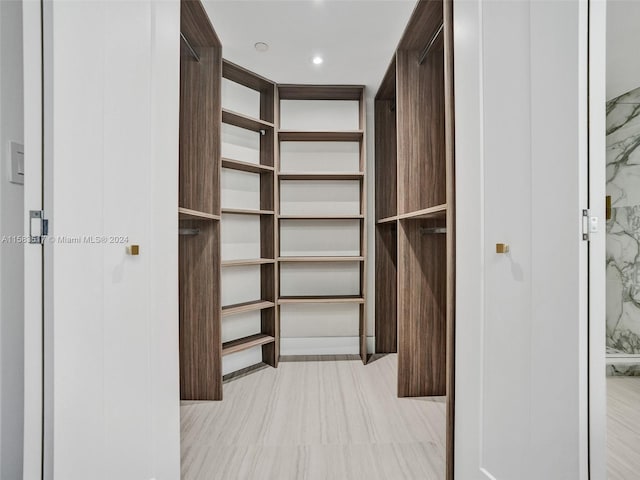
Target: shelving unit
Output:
[(343, 178), (199, 206), (248, 140), (415, 211)]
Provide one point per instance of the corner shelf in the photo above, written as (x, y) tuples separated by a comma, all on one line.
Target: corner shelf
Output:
[(320, 259), (320, 136), (387, 220), (246, 343), (321, 217), (246, 307), (439, 211), (321, 176), (248, 261), (321, 299), (243, 211), (246, 166), (188, 214), (244, 121)]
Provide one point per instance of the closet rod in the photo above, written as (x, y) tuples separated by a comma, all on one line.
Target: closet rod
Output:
[(191, 50), (429, 46), (426, 231), (188, 231)]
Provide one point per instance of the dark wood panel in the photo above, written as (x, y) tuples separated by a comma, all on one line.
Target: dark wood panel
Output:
[(245, 77), (422, 307), (245, 343), (386, 288), (196, 26), (341, 136), (320, 92), (423, 24), (421, 135), (385, 158), (268, 323), (244, 121), (199, 293), (387, 89)]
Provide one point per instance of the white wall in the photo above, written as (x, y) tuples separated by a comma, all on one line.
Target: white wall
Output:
[(111, 154), (623, 37), (11, 254), (521, 357)]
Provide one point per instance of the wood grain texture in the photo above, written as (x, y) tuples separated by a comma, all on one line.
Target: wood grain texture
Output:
[(245, 166), (449, 109), (196, 26), (187, 214), (302, 136), (246, 307), (387, 89), (422, 298), (320, 176), (386, 273), (386, 157), (245, 343), (321, 299), (439, 211), (315, 419), (199, 325), (363, 230), (320, 92), (244, 121), (246, 211), (421, 131), (423, 24)]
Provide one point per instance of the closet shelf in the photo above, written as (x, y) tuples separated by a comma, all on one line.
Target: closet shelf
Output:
[(321, 176), (321, 136), (321, 299), (243, 121), (246, 166), (320, 217), (439, 211), (188, 214), (245, 343), (320, 259), (246, 307), (247, 261), (387, 219), (241, 211)]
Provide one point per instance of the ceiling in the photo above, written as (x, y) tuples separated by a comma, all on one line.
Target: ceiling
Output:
[(356, 38)]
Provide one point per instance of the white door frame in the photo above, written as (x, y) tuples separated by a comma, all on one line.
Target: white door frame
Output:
[(33, 254), (597, 247)]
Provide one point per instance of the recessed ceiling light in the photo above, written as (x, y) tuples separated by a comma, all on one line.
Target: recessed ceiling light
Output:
[(261, 47), (317, 60)]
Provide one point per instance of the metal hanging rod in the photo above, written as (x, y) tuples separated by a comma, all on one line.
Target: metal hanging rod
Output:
[(430, 45), (190, 48), (428, 231), (188, 231)]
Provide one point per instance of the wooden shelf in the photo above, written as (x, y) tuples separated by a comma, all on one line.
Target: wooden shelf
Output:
[(241, 211), (188, 214), (340, 136), (248, 261), (320, 259), (439, 211), (243, 121), (320, 299), (387, 220), (321, 217), (320, 92), (245, 343), (246, 166), (321, 176), (246, 307)]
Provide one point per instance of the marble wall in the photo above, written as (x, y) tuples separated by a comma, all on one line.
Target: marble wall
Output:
[(623, 229)]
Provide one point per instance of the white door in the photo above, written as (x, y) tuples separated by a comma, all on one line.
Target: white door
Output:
[(109, 110), (521, 163)]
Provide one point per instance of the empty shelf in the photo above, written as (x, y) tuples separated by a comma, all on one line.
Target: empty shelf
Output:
[(320, 217), (320, 259), (246, 307), (300, 136), (245, 343), (240, 211), (388, 219), (188, 214), (320, 299), (243, 121), (248, 261), (246, 166), (321, 176), (438, 211)]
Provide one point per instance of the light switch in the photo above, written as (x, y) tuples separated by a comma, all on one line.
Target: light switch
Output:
[(17, 163)]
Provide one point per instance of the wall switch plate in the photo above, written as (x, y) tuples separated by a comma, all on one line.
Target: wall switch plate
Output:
[(17, 163)]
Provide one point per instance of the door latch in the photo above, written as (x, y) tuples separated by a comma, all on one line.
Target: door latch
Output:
[(589, 224), (39, 225)]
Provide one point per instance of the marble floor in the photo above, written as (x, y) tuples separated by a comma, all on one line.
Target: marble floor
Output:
[(623, 428), (315, 419)]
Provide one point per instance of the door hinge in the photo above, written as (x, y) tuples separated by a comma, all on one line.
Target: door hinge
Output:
[(38, 226), (589, 224)]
